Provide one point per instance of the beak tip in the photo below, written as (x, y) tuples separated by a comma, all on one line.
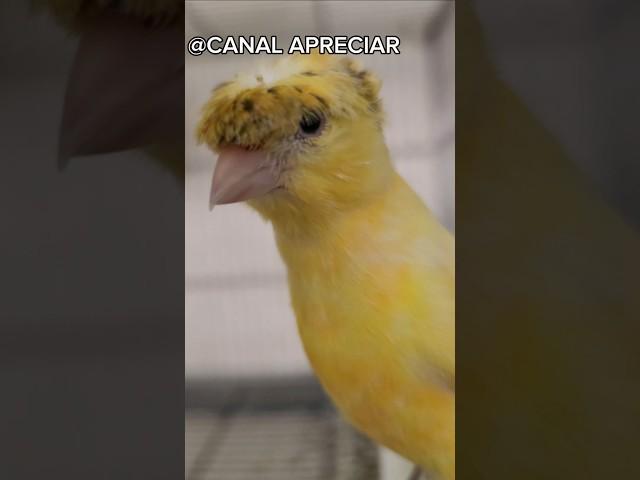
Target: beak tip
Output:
[(213, 200)]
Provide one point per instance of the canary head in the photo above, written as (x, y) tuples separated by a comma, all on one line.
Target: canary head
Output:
[(306, 131)]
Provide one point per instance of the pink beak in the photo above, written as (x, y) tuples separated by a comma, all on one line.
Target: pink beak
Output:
[(241, 174)]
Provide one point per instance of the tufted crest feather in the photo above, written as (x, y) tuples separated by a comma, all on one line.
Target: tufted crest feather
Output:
[(259, 109)]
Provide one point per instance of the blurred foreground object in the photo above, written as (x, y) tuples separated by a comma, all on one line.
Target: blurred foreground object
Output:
[(548, 289)]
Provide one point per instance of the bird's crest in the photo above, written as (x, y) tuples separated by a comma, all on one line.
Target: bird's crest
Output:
[(256, 109)]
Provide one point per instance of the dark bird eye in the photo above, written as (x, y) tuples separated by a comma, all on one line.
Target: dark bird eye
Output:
[(310, 125)]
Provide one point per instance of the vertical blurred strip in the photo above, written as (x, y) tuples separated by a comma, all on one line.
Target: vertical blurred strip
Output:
[(548, 260), (92, 303)]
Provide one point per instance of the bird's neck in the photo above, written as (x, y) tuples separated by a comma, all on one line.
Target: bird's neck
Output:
[(321, 239), (305, 222)]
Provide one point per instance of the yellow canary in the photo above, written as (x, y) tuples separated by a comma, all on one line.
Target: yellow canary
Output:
[(370, 269)]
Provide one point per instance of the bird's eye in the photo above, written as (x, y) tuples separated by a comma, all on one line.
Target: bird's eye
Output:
[(311, 125)]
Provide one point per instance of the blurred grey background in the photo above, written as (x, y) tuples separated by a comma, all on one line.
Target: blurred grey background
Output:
[(239, 327)]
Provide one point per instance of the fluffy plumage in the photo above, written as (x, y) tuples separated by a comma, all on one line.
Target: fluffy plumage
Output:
[(371, 271)]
